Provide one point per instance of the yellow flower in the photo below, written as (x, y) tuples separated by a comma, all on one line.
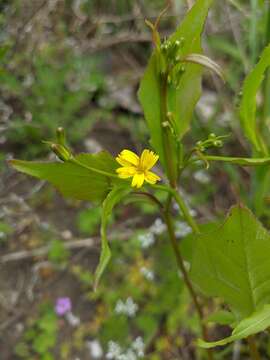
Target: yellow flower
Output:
[(137, 167)]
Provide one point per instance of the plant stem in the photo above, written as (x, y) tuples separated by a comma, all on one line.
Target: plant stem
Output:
[(181, 266), (180, 262), (166, 134), (178, 198), (234, 160), (185, 211), (254, 353)]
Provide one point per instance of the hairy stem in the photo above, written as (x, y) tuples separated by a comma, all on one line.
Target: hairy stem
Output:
[(254, 353)]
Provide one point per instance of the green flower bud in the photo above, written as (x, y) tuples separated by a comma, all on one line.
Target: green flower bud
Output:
[(61, 152), (60, 135), (169, 115), (165, 124), (218, 143), (212, 136)]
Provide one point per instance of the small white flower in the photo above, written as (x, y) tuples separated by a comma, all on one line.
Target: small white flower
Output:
[(72, 319), (182, 229), (138, 346), (128, 308), (147, 273), (202, 177), (132, 307), (129, 355), (135, 351), (146, 240), (158, 227), (95, 349), (192, 212), (114, 350)]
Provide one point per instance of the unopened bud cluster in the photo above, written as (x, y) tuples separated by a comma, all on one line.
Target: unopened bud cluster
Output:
[(170, 61), (212, 141)]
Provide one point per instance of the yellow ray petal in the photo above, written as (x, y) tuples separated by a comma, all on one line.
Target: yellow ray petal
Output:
[(151, 178), (148, 159), (126, 171), (137, 180), (122, 161), (128, 158)]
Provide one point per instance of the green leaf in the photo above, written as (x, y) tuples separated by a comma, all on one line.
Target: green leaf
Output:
[(86, 177), (257, 322), (232, 263), (116, 195), (150, 98), (181, 100), (206, 62), (43, 343), (248, 103), (222, 317), (48, 322)]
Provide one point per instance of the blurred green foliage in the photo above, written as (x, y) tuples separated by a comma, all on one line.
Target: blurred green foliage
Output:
[(53, 90), (41, 336), (57, 86)]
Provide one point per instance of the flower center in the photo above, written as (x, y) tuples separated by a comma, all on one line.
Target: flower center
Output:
[(140, 170)]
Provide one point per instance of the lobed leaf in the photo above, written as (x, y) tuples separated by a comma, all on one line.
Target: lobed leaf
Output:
[(232, 263), (87, 177)]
